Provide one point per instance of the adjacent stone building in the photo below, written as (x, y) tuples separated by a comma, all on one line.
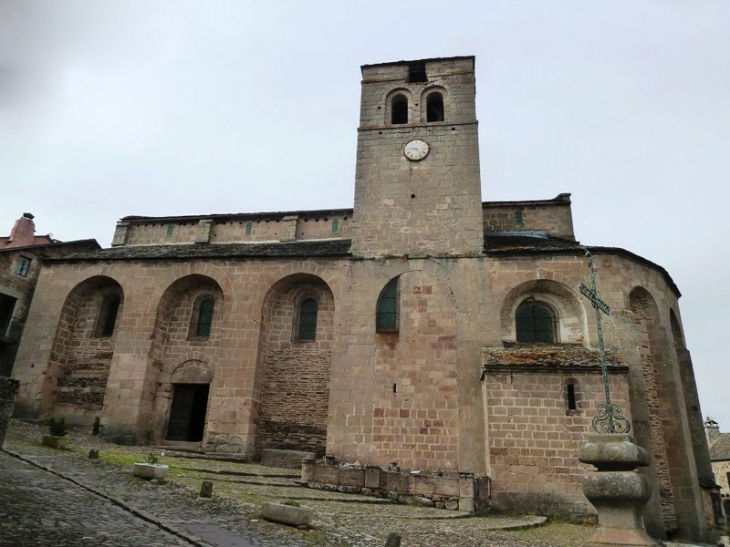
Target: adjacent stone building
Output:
[(21, 254), (423, 329), (719, 444)]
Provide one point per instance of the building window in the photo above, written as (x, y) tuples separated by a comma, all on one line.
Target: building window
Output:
[(22, 266), (535, 323), (307, 319), (202, 318), (335, 225), (435, 108), (417, 72), (170, 230), (386, 315), (518, 218), (107, 317), (249, 228), (399, 109), (7, 306), (570, 395)]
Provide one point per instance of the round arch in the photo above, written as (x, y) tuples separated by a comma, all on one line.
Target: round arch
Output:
[(433, 104), (85, 339), (192, 371), (568, 312), (393, 100), (293, 368)]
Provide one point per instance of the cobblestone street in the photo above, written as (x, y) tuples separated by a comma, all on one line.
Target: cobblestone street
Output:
[(60, 497), (38, 508)]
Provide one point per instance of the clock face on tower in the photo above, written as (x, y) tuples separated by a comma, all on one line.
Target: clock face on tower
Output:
[(416, 150)]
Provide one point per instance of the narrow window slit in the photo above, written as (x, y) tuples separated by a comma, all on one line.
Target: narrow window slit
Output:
[(571, 397)]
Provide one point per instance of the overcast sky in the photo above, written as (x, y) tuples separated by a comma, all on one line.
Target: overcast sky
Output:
[(110, 109)]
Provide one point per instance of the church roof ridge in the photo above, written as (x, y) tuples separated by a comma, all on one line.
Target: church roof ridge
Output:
[(221, 216), (563, 198), (426, 60)]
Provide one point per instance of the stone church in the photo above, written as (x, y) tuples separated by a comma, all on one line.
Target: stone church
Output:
[(423, 327)]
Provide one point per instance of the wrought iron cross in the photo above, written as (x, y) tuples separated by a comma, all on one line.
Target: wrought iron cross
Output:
[(608, 419)]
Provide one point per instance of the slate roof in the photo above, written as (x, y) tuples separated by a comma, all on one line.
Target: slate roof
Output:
[(518, 243), (83, 245), (294, 249), (720, 449), (512, 244), (223, 217), (505, 244)]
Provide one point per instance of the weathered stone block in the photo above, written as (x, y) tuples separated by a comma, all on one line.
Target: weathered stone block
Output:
[(286, 514), (150, 471)]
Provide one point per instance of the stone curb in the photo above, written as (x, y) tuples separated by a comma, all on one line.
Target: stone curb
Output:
[(139, 513), (536, 523)]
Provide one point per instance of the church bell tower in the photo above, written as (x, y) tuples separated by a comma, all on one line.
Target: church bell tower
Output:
[(417, 184)]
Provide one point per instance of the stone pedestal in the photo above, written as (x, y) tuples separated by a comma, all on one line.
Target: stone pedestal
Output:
[(617, 491), (8, 389)]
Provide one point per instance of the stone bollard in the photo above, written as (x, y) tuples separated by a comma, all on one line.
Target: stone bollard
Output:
[(8, 389), (93, 454), (393, 540), (206, 489), (308, 465), (616, 490)]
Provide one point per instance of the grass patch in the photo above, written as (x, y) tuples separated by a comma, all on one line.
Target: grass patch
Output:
[(121, 458), (569, 535)]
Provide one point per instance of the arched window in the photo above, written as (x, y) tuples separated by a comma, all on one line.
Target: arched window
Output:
[(399, 109), (107, 317), (201, 319), (307, 319), (535, 323), (386, 319), (435, 107)]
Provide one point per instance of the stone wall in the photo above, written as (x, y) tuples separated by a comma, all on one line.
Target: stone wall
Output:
[(462, 491), (534, 437), (81, 356), (415, 420), (236, 228), (721, 470), (8, 389), (296, 373), (551, 216)]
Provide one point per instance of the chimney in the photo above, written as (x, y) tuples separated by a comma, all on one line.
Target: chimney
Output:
[(712, 430), (23, 232)]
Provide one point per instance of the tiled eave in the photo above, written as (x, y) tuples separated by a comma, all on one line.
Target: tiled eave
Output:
[(556, 358), (339, 248)]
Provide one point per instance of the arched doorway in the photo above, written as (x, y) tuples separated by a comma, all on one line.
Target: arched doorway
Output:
[(188, 410)]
